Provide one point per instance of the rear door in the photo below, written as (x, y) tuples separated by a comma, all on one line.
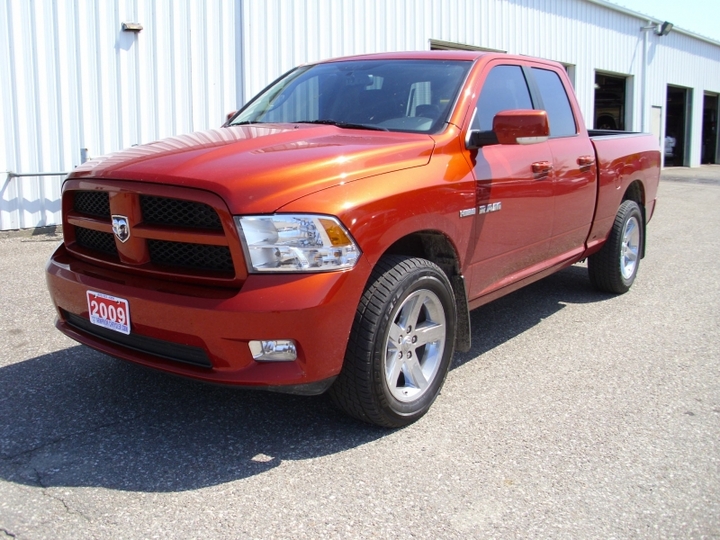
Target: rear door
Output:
[(574, 168), (514, 211)]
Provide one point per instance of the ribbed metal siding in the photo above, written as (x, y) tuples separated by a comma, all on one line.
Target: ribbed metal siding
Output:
[(573, 32), (587, 34), (72, 79)]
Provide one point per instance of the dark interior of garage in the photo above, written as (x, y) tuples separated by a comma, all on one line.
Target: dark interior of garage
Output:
[(675, 126), (609, 102), (710, 130)]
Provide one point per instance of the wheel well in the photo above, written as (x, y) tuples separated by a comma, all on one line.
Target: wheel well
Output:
[(436, 247), (430, 245), (635, 192)]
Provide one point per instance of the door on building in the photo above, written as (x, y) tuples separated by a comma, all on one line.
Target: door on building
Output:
[(677, 123), (610, 96), (710, 151)]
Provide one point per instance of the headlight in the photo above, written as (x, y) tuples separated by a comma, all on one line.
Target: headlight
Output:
[(296, 243)]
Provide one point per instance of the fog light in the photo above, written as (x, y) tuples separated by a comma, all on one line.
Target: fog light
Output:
[(276, 350)]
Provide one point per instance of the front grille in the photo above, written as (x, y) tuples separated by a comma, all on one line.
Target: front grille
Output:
[(195, 256), (156, 347), (92, 203), (96, 240), (179, 213), (181, 235)]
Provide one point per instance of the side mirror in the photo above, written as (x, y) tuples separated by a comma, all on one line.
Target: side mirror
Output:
[(229, 116), (521, 126)]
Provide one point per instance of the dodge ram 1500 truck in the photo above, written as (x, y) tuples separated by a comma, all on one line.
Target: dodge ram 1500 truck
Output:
[(336, 231)]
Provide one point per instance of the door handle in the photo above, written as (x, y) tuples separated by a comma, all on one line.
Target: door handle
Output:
[(541, 169), (586, 161)]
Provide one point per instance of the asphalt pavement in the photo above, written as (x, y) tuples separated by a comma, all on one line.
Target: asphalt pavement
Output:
[(575, 415)]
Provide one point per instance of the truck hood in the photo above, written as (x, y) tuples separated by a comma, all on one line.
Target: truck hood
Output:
[(259, 169)]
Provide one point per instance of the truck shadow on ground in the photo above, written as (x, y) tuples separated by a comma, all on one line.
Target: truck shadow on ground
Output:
[(497, 322), (78, 418)]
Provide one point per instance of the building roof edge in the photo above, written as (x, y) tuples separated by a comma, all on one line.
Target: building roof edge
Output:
[(643, 17)]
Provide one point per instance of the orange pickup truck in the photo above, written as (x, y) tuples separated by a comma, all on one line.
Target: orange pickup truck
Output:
[(336, 231)]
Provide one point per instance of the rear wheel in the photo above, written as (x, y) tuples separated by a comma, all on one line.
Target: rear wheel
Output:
[(614, 267), (400, 345)]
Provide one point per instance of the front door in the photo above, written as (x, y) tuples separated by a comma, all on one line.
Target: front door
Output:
[(514, 218)]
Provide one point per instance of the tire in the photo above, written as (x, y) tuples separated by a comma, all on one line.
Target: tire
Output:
[(613, 269), (401, 343)]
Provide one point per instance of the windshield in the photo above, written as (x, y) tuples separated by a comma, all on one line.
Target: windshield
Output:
[(393, 95)]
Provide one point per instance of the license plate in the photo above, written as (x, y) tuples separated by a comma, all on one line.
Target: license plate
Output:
[(109, 312)]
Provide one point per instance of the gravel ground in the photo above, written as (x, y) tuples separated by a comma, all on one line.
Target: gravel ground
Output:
[(575, 415)]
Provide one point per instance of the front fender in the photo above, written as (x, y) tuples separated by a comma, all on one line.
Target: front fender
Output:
[(380, 210)]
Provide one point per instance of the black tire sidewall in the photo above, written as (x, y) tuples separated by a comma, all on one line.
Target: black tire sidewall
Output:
[(426, 278), (605, 266), (630, 209)]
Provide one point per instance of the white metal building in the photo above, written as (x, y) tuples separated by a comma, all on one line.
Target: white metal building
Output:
[(88, 77)]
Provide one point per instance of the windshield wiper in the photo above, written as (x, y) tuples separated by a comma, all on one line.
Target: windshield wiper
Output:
[(345, 125), (246, 123)]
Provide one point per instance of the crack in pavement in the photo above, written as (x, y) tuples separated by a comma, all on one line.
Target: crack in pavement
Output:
[(46, 493), (21, 461), (81, 433), (67, 507)]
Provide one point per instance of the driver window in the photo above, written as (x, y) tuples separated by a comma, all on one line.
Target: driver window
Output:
[(505, 89)]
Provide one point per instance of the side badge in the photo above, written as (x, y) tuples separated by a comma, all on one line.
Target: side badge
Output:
[(487, 208)]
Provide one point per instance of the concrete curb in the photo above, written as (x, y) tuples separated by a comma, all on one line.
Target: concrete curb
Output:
[(705, 174), (44, 233)]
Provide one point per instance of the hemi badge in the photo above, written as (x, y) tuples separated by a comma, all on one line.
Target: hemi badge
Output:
[(468, 212)]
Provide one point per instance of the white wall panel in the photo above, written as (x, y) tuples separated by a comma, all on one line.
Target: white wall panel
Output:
[(591, 35), (72, 79)]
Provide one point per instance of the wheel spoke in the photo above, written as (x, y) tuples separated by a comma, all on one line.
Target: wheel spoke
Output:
[(430, 334), (629, 231), (394, 334), (414, 374), (393, 367), (413, 313)]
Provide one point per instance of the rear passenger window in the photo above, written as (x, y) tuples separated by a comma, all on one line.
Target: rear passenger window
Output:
[(556, 103), (505, 89)]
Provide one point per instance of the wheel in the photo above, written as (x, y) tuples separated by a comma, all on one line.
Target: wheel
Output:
[(614, 267), (401, 343)]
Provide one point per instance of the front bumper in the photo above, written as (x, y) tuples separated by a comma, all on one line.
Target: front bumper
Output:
[(203, 332)]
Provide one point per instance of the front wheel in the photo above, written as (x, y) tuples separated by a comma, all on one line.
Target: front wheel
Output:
[(614, 267), (401, 343)]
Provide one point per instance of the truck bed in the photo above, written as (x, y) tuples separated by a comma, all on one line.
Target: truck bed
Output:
[(622, 158)]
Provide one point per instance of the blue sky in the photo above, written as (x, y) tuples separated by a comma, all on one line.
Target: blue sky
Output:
[(698, 16)]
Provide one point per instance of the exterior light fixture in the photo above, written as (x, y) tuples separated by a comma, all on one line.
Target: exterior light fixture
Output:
[(659, 29), (131, 27), (663, 29), (276, 350)]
